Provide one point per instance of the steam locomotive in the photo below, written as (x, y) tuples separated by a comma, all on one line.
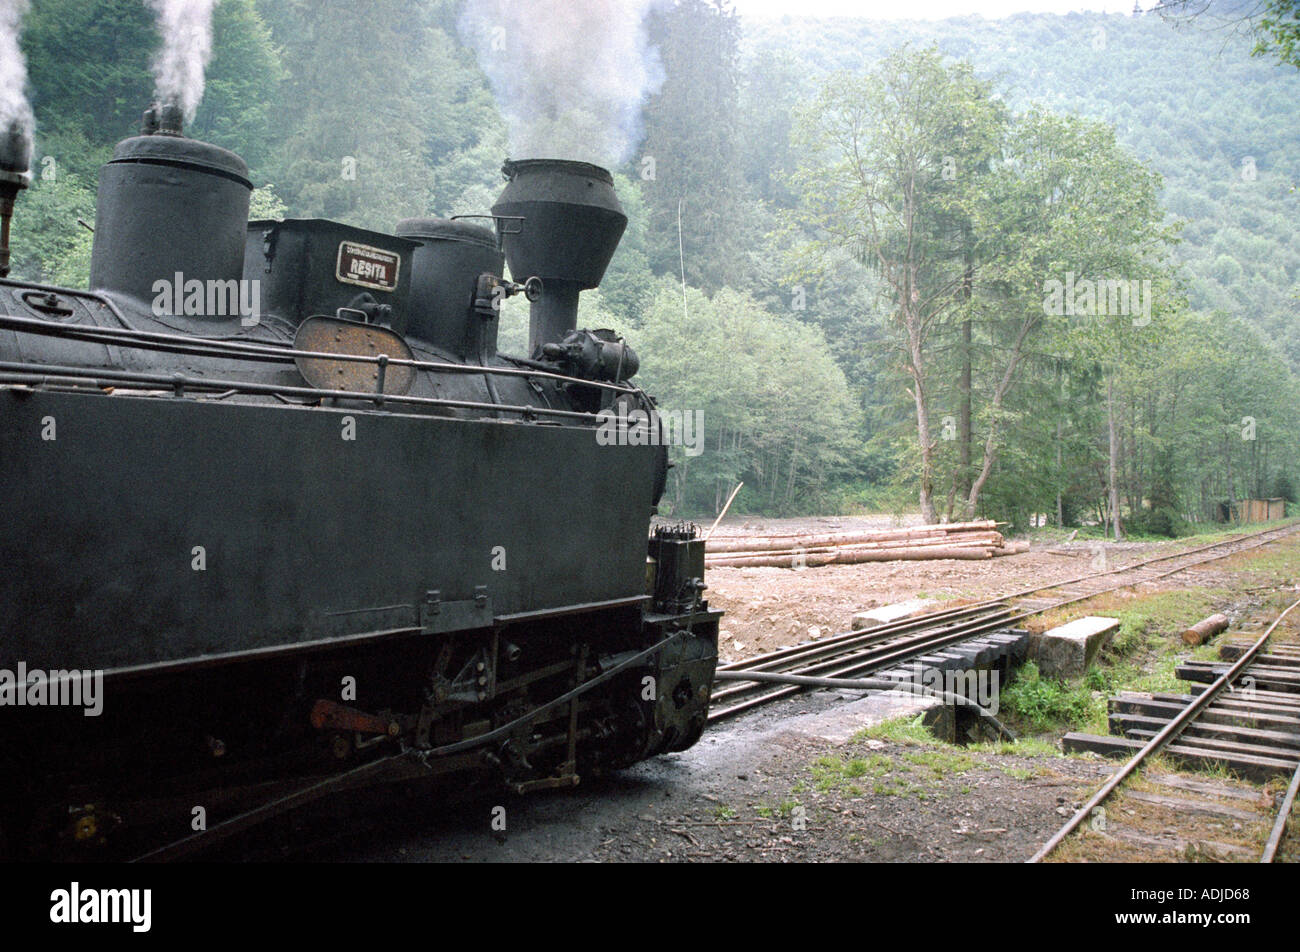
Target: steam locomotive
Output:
[(280, 520)]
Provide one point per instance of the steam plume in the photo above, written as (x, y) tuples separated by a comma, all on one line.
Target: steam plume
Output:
[(16, 121), (186, 28), (570, 75)]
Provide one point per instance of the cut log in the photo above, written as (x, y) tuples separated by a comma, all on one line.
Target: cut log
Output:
[(990, 541), (742, 543), (1205, 629), (853, 557), (985, 538)]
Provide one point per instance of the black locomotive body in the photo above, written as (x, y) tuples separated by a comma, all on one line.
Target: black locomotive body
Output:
[(274, 482)]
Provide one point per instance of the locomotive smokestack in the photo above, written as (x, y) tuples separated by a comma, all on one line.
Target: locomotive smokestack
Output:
[(168, 206), (163, 119), (15, 157), (561, 222)]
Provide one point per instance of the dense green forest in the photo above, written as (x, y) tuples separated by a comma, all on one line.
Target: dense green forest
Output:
[(854, 246)]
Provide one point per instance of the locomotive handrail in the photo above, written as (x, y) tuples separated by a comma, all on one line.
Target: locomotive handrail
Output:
[(12, 372), (206, 346)]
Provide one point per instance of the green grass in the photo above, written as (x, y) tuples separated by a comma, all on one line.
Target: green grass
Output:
[(833, 772), (907, 729), (1045, 703), (940, 762), (1021, 747)]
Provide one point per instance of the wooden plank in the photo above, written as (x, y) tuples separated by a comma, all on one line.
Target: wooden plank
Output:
[(1177, 845), (1257, 669), (1277, 700), (1267, 701), (1193, 805), (1254, 736), (1207, 787), (1279, 661), (1247, 765), (1213, 714), (1227, 746), (1209, 676), (1232, 650)]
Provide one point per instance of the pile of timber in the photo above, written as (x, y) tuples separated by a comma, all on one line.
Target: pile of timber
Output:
[(953, 540)]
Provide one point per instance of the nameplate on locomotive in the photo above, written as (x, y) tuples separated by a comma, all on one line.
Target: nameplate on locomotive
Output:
[(367, 266)]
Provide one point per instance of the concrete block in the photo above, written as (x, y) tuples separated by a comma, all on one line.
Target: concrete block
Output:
[(875, 617), (1067, 650)]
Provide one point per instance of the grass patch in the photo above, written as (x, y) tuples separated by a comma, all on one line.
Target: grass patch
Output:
[(836, 771), (1045, 703), (1021, 747), (907, 729), (940, 763)]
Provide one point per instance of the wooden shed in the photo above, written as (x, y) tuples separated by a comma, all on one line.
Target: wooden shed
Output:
[(1261, 510)]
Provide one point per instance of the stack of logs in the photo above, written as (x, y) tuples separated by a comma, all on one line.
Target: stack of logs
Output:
[(954, 540)]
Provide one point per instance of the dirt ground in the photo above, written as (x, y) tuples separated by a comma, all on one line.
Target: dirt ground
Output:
[(770, 608)]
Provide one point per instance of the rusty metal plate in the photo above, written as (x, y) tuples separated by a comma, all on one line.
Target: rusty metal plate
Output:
[(333, 335)]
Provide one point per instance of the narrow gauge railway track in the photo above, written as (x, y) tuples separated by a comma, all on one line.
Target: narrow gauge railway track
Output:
[(856, 654), (1214, 726)]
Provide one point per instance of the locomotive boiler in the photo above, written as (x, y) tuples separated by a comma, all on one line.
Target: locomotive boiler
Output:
[(275, 500)]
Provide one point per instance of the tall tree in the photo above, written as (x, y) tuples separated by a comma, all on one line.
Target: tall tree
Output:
[(688, 164), (889, 169)]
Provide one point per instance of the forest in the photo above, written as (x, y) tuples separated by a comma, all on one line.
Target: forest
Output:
[(1041, 268)]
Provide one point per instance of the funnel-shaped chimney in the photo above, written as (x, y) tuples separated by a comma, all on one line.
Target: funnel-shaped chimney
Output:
[(560, 221)]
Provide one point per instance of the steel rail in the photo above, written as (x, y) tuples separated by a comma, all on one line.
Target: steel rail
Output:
[(1168, 733), (1283, 814), (882, 684), (879, 633), (926, 641), (861, 662), (931, 638), (870, 640)]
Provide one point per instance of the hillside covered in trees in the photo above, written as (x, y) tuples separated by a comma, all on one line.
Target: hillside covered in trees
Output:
[(846, 236)]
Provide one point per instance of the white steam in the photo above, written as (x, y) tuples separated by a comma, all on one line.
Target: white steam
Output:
[(570, 76), (186, 29), (15, 110)]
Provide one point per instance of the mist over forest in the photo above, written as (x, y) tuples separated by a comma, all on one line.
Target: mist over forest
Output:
[(845, 238)]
